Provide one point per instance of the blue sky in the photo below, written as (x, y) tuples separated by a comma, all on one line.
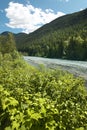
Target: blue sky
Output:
[(28, 15)]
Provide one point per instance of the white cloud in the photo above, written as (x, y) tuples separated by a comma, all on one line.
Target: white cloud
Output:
[(28, 18), (81, 9)]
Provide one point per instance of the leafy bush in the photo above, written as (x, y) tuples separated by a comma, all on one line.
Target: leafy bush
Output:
[(31, 99)]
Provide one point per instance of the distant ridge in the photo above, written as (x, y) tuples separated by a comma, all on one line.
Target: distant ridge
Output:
[(5, 33)]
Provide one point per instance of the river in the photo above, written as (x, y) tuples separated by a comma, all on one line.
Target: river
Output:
[(78, 68)]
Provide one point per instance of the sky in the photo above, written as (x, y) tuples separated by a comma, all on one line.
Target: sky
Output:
[(28, 15)]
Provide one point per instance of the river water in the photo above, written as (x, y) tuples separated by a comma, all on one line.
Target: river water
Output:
[(78, 68)]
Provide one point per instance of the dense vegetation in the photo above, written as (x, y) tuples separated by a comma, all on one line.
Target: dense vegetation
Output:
[(65, 37), (39, 99), (7, 43)]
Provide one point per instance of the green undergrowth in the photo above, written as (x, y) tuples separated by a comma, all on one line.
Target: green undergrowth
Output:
[(39, 99)]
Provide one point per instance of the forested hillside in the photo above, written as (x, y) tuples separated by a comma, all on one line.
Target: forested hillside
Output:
[(65, 37)]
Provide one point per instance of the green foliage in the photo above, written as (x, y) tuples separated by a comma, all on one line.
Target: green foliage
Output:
[(33, 99), (76, 48), (7, 43)]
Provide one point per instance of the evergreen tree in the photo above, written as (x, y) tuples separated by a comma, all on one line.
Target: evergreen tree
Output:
[(7, 43)]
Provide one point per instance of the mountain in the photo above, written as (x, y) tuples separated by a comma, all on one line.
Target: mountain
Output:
[(66, 21), (5, 33), (64, 37)]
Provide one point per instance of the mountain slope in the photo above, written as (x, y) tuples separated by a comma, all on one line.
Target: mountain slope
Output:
[(64, 22)]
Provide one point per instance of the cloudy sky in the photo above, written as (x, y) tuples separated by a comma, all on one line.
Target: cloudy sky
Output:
[(28, 15)]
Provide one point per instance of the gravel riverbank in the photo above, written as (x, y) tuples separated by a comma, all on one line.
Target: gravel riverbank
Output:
[(78, 68)]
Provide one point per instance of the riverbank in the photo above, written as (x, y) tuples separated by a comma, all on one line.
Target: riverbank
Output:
[(77, 68)]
